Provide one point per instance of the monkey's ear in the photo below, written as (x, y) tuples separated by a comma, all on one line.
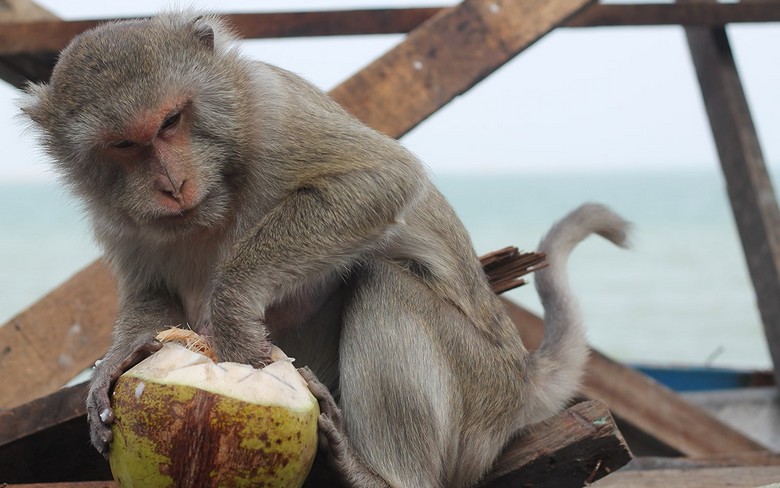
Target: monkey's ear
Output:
[(203, 32), (32, 103)]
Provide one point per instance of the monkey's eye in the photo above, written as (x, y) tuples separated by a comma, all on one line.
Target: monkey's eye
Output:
[(171, 120), (123, 144)]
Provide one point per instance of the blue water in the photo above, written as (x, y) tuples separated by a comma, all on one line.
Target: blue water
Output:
[(681, 295)]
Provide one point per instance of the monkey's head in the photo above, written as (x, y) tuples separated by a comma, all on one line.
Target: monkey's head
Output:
[(141, 119)]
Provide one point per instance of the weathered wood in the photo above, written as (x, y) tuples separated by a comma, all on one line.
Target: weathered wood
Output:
[(20, 67), (744, 459), (53, 36), (22, 11), (47, 440), (42, 413), (62, 334), (712, 14), (572, 449), (505, 267), (641, 401), (753, 476), (444, 57), (43, 33), (753, 200)]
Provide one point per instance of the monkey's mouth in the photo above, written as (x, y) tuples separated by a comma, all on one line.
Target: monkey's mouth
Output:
[(180, 216), (204, 213)]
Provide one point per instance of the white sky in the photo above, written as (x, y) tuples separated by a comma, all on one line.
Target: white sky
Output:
[(578, 100)]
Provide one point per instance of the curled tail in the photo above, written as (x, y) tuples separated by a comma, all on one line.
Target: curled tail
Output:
[(560, 361)]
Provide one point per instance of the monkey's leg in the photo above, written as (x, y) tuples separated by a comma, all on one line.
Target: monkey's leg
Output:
[(398, 394), (340, 452)]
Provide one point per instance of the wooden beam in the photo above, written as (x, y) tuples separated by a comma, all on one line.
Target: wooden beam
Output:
[(58, 337), (572, 449), (47, 441), (23, 11), (712, 14), (48, 35), (753, 200), (647, 405), (446, 56), (53, 36), (744, 459), (750, 476), (43, 413), (17, 68)]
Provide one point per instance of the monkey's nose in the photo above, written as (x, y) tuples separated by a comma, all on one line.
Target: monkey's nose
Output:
[(165, 184)]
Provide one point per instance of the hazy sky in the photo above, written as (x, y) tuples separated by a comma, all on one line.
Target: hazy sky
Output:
[(578, 100)]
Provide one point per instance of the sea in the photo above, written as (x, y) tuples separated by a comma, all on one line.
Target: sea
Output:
[(681, 295)]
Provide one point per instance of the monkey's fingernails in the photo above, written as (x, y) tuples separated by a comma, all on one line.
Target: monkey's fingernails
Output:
[(107, 416)]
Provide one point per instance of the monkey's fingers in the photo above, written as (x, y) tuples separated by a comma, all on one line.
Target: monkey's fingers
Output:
[(322, 394), (343, 457), (99, 414), (141, 351)]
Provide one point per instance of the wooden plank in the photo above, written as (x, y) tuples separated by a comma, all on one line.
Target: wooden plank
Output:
[(752, 197), (53, 36), (23, 11), (649, 406), (446, 56), (26, 35), (47, 440), (572, 449), (43, 413), (712, 14), (58, 337), (18, 68), (752, 476), (745, 459)]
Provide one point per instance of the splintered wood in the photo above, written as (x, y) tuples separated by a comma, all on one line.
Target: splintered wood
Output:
[(572, 449), (505, 267)]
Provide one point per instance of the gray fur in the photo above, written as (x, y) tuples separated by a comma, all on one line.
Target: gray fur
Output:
[(267, 213)]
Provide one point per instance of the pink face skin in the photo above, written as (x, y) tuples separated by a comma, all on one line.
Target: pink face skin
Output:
[(155, 147)]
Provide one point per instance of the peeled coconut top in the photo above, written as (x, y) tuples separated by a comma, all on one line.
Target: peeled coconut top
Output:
[(277, 384)]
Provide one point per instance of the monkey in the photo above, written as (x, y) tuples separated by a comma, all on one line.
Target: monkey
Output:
[(234, 197)]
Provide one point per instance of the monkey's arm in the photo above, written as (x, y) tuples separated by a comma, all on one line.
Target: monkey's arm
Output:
[(323, 226), (140, 318)]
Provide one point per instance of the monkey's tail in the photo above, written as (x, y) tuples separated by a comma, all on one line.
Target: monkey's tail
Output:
[(560, 361)]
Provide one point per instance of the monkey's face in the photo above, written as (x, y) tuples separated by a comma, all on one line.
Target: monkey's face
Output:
[(137, 121)]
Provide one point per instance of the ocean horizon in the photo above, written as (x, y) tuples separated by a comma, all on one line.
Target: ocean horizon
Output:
[(681, 295)]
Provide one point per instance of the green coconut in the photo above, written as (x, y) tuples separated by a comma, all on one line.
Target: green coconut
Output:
[(184, 420)]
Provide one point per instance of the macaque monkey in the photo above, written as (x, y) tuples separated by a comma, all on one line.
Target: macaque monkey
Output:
[(233, 197)]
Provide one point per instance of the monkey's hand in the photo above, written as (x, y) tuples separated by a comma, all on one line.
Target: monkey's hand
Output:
[(235, 331), (99, 413), (334, 441)]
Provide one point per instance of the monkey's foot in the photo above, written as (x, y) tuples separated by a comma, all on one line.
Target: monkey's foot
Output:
[(334, 441), (99, 413)]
